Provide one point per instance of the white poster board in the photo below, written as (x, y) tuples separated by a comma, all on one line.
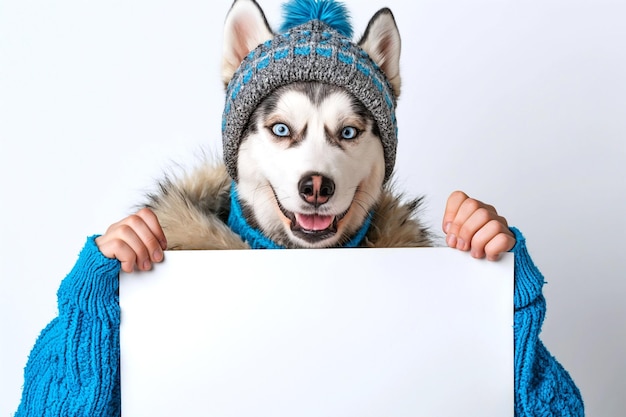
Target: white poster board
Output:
[(346, 332)]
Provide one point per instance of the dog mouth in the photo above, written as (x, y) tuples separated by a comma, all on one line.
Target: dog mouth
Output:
[(312, 227)]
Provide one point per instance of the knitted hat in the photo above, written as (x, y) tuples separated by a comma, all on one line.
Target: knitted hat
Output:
[(314, 45)]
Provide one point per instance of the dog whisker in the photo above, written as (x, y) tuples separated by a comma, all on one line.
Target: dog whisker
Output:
[(362, 205)]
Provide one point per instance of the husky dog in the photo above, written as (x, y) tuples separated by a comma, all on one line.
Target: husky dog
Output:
[(311, 165), (309, 140)]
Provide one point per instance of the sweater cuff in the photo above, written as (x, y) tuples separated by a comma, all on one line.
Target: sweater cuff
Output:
[(92, 285), (528, 279)]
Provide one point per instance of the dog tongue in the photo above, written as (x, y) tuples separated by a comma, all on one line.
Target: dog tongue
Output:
[(314, 222)]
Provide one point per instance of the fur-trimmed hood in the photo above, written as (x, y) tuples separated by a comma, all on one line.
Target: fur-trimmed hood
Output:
[(193, 209)]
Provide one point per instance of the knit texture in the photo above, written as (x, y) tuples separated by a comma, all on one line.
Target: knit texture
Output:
[(256, 239), (238, 224), (309, 52), (542, 386), (73, 369)]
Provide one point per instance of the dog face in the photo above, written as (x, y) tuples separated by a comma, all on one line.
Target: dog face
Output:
[(310, 165)]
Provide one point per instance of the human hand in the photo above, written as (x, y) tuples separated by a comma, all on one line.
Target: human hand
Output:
[(471, 225), (138, 240)]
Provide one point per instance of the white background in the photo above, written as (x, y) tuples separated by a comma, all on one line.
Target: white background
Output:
[(519, 103)]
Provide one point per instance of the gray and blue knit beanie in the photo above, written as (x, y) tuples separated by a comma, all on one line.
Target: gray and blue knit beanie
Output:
[(314, 45)]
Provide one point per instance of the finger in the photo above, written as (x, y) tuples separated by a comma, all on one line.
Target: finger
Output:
[(140, 237), (125, 245), (123, 241), (480, 215), (136, 240), (460, 233), (485, 234), (118, 249), (127, 258), (153, 224), (501, 243), (452, 207)]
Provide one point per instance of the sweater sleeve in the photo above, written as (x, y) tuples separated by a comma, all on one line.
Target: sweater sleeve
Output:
[(542, 386), (73, 369)]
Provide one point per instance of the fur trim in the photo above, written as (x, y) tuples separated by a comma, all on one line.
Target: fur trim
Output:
[(396, 224), (193, 210)]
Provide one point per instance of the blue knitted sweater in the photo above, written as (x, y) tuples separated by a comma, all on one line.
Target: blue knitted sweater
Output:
[(73, 369)]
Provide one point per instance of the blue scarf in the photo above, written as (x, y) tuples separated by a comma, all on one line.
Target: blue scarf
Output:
[(257, 240)]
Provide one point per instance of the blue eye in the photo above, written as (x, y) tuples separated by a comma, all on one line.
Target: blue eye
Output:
[(349, 132), (281, 130)]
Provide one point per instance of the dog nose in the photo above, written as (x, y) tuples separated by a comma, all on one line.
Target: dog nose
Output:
[(316, 189)]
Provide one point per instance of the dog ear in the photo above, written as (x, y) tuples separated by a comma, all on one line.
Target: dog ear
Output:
[(245, 28), (382, 43)]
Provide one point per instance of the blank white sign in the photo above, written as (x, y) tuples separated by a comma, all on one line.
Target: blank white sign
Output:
[(334, 332)]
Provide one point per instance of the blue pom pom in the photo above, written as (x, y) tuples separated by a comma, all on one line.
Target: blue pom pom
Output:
[(331, 12)]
